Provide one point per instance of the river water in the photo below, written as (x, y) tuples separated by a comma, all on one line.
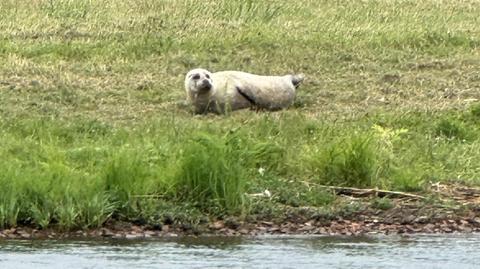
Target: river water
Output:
[(419, 251)]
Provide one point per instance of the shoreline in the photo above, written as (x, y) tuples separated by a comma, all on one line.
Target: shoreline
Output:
[(336, 228), (448, 209)]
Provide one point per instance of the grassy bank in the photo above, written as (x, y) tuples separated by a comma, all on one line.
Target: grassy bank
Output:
[(93, 126)]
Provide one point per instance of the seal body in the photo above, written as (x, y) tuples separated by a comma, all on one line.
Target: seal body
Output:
[(232, 90)]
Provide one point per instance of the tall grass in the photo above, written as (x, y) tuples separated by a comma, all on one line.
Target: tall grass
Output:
[(211, 174), (351, 162), (74, 175)]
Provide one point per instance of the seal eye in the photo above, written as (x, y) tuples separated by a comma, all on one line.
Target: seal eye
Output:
[(196, 76), (207, 76)]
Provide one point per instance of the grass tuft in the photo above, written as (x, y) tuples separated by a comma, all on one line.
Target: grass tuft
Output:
[(451, 129), (210, 174), (349, 162)]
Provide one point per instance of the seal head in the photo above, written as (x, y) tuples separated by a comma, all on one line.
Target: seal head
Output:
[(198, 81)]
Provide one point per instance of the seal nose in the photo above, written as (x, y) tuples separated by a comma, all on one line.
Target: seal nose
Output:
[(205, 85)]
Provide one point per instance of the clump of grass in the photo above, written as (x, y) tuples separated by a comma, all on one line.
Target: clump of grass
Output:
[(42, 210), (67, 212), (9, 205), (235, 11), (122, 175), (383, 203), (267, 155), (211, 174), (249, 10), (349, 162), (474, 112), (297, 194), (96, 209), (450, 129), (66, 9), (409, 180)]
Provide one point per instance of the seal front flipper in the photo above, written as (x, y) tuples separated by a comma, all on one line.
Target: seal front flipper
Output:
[(247, 95)]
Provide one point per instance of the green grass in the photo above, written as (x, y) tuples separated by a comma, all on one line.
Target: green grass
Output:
[(211, 174), (93, 125)]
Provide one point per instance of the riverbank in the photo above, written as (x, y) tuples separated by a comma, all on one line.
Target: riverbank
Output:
[(95, 134), (456, 209)]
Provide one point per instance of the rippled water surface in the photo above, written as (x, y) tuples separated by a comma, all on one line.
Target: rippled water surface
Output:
[(419, 251)]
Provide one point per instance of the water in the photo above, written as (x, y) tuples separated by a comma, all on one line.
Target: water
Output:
[(419, 251)]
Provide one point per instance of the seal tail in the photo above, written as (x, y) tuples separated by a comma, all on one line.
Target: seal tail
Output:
[(297, 79)]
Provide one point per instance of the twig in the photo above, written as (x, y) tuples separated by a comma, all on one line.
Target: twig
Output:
[(365, 192)]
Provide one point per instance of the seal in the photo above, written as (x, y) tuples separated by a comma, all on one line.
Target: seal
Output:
[(225, 91)]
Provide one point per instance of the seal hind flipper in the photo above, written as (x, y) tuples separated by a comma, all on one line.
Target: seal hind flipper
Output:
[(297, 79)]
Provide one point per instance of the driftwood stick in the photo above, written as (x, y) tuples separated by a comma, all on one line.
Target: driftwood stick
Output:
[(366, 192)]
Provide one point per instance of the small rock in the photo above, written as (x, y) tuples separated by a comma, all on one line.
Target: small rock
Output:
[(355, 227), (150, 233), (429, 228), (408, 219), (229, 232), (421, 219), (307, 228), (133, 236), (232, 223), (157, 227), (34, 83), (322, 230), (187, 226), (117, 236), (217, 225), (10, 231), (171, 235), (465, 229), (261, 228), (25, 235), (136, 228), (274, 229), (122, 225), (447, 230), (107, 232)]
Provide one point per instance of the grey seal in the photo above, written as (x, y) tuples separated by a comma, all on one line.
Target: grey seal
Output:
[(225, 91)]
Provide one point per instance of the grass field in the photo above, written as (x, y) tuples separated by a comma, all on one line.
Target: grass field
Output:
[(93, 124)]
